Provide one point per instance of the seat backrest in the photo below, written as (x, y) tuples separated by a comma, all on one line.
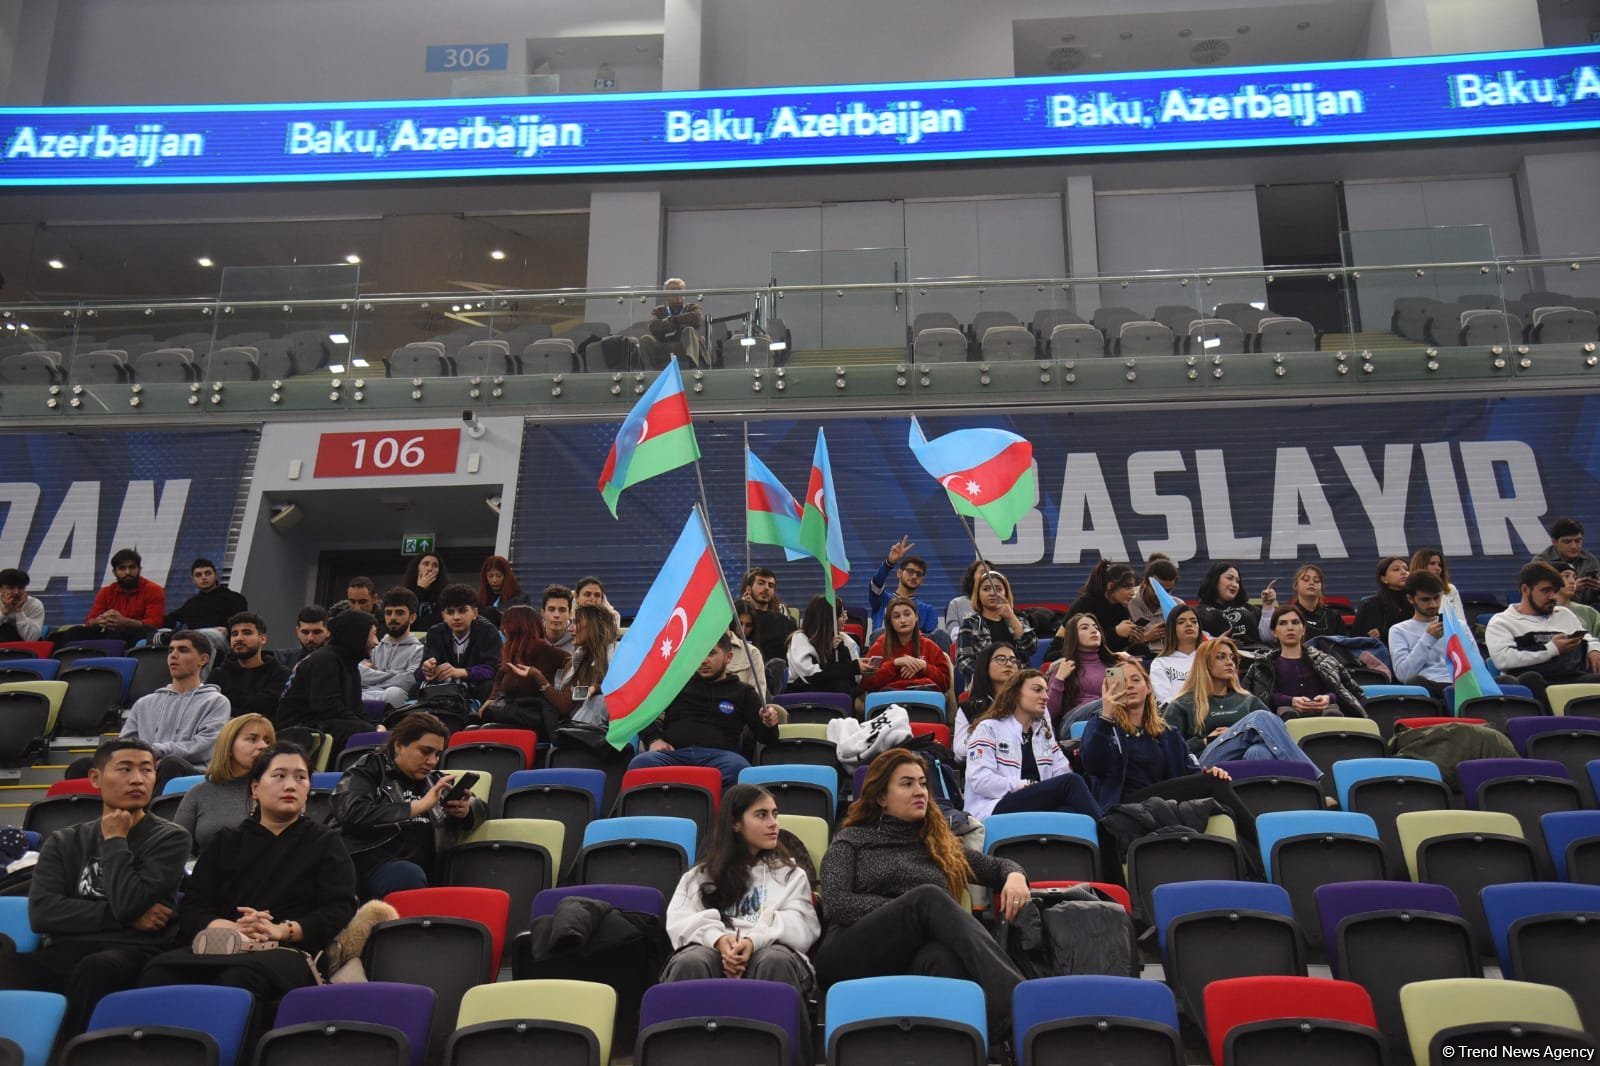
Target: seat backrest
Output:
[(697, 776), (31, 1020), (1564, 828), (524, 740), (1341, 900), (234, 363), (417, 360), (1473, 774), (37, 669), (1144, 338), (1177, 899), (221, 1012), (821, 776), (1076, 341), (1236, 1001), (1088, 996), (1282, 825), (999, 828), (408, 1008), (487, 906), (591, 781), (588, 1004), (544, 832), (679, 831), (29, 368), (939, 345), (1007, 342), (1347, 773), (54, 693), (1523, 730), (934, 320), (165, 365), (71, 786), (1215, 336), (14, 924), (1506, 904), (1430, 1006), (1418, 827), (885, 998), (1046, 320), (1245, 769), (772, 1002), (1300, 728), (640, 898)]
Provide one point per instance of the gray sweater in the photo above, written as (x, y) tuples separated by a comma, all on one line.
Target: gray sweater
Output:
[(868, 865), (185, 724), (88, 888), (212, 806)]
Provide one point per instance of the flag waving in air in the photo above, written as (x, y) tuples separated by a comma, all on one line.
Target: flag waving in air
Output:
[(657, 436), (820, 534), (681, 619), (1167, 601), (772, 514), (988, 473), (1469, 673)]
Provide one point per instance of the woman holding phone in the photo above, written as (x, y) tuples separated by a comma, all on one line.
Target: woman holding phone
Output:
[(399, 814)]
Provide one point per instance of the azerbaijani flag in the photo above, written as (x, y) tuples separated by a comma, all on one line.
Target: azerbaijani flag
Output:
[(820, 534), (988, 473), (772, 514), (681, 619), (1470, 675), (657, 436), (1165, 599)]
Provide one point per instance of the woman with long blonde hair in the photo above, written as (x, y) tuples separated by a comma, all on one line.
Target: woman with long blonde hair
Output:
[(222, 800), (1222, 719), (892, 883)]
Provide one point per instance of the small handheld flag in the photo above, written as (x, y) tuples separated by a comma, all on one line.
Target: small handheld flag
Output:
[(772, 514), (681, 619), (1469, 674), (820, 534), (988, 473), (657, 436), (1165, 600)]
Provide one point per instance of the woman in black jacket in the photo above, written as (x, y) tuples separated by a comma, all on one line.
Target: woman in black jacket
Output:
[(1225, 610), (265, 895), (392, 808)]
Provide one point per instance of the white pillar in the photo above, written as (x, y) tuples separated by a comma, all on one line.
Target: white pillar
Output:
[(1447, 27), (680, 50), (626, 236), (27, 33)]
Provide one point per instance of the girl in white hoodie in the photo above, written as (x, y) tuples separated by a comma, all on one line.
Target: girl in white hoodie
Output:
[(745, 910)]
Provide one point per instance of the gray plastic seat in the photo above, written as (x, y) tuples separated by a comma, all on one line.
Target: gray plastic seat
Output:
[(165, 366), (553, 355), (1564, 325), (1110, 320), (984, 321), (1246, 316), (1480, 301), (103, 366), (309, 349), (1177, 317), (30, 368), (418, 360), (1046, 320), (1286, 334), (1410, 318), (1144, 338), (942, 344), (485, 359), (1483, 328), (234, 363), (1007, 342), (1443, 325), (1076, 340), (1213, 336), (934, 320)]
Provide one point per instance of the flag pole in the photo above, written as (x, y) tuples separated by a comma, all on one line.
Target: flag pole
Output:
[(759, 669), (744, 426)]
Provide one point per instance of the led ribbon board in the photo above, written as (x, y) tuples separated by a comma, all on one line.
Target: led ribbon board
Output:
[(1241, 107)]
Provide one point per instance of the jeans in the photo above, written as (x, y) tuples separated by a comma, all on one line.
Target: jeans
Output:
[(727, 763), (396, 875), (1258, 735), (1067, 792), (923, 932)]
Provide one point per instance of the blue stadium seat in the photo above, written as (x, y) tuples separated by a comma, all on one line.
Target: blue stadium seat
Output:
[(1048, 845), (642, 850), (934, 1021), (920, 706), (187, 1015), (30, 1020), (1212, 930), (808, 790), (14, 923), (1549, 933), (1573, 840), (1090, 1018), (177, 786)]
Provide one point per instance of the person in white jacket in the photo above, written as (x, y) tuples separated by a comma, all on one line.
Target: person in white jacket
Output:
[(746, 909), (1013, 760)]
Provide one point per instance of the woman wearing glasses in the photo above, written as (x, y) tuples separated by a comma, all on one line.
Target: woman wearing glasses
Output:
[(997, 664)]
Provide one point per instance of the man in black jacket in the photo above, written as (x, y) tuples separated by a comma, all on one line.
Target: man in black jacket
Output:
[(463, 647), (704, 725), (211, 605), (103, 891), (252, 678), (325, 692)]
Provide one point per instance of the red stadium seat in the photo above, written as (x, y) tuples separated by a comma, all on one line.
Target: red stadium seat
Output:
[(1423, 723), (487, 906), (76, 786), (525, 740), (1240, 1001), (940, 733), (31, 649), (692, 792)]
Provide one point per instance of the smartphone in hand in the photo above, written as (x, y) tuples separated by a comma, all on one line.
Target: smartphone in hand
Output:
[(461, 788)]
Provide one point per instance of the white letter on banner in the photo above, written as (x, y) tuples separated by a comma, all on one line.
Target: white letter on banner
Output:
[(1520, 507), (148, 529), (76, 523), (1027, 544), (1446, 495), (1216, 507), (1143, 467), (1083, 487), (1385, 506), (1295, 485), (22, 500)]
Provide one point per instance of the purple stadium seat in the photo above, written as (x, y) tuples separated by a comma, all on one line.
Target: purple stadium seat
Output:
[(1474, 773), (408, 1008), (830, 699), (377, 710), (1524, 729), (639, 898), (1336, 902), (770, 1003)]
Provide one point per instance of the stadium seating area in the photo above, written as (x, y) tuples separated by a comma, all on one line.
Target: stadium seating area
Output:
[(1483, 319)]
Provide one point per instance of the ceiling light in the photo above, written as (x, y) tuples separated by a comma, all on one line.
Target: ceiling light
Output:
[(55, 264), (497, 254), (352, 259), (338, 338), (205, 261)]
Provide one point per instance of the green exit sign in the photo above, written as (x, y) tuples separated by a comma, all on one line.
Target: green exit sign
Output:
[(416, 544)]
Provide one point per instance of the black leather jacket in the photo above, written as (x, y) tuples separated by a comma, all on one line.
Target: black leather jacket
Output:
[(372, 813)]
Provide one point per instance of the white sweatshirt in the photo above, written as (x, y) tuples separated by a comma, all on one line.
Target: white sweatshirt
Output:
[(777, 909), (1540, 630)]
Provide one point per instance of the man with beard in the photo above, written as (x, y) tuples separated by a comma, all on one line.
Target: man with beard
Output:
[(325, 692), (128, 609), (773, 621), (1417, 645), (390, 674), (252, 678), (212, 603), (310, 630)]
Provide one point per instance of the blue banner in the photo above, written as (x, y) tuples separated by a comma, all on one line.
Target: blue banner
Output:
[(1265, 489), (69, 501), (1242, 107)]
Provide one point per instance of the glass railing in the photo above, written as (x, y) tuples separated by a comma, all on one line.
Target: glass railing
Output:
[(943, 340)]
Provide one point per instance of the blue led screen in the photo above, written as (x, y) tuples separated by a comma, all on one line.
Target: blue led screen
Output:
[(1241, 107)]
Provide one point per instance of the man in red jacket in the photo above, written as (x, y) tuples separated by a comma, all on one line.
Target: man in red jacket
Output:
[(130, 608)]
